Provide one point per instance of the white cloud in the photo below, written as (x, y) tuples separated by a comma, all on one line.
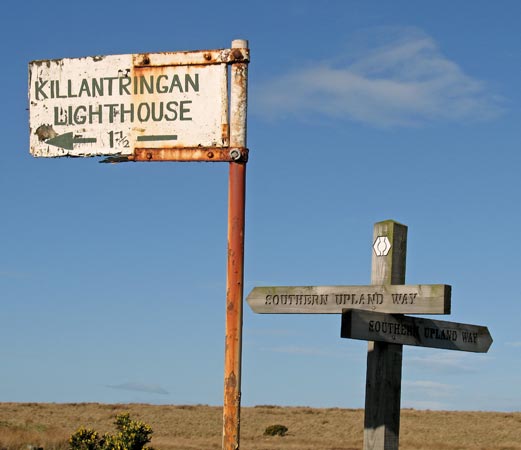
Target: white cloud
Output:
[(14, 275), (428, 404), (514, 344), (446, 361), (429, 388), (140, 387), (404, 81), (269, 332), (430, 392), (307, 351)]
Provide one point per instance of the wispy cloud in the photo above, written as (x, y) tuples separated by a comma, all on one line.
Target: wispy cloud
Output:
[(424, 404), (140, 387), (401, 80), (14, 275), (307, 351), (433, 394), (429, 388), (269, 332), (447, 362), (514, 344)]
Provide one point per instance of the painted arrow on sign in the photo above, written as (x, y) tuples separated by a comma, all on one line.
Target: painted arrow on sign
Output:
[(398, 329), (67, 141)]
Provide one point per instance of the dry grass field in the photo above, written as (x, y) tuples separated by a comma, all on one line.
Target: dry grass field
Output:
[(199, 427)]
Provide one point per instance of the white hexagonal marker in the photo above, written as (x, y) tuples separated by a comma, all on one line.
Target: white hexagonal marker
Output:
[(381, 246)]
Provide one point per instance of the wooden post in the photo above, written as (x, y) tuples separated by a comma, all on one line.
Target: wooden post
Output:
[(384, 361)]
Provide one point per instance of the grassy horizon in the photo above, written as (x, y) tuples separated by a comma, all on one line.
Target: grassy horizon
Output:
[(199, 427)]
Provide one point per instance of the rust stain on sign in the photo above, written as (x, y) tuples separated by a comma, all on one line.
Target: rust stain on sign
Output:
[(230, 154), (45, 132)]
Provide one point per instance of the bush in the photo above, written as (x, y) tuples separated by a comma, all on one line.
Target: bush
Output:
[(131, 435), (276, 430), (84, 439)]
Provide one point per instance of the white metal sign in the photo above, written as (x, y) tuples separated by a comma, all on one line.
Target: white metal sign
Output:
[(111, 105)]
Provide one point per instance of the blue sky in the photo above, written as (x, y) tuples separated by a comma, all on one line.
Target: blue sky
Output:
[(112, 277)]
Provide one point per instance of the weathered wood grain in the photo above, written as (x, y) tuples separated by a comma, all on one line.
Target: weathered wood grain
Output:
[(402, 299), (404, 330), (384, 360)]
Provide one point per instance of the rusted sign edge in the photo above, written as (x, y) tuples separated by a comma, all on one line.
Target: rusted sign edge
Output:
[(158, 59), (206, 154), (143, 61), (189, 58)]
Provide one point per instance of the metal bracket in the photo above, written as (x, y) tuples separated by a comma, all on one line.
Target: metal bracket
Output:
[(212, 154), (205, 57)]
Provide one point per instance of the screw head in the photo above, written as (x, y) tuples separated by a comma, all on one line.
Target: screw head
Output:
[(235, 154)]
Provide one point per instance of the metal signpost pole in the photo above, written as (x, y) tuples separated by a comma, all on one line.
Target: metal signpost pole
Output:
[(170, 106), (235, 275), (375, 313)]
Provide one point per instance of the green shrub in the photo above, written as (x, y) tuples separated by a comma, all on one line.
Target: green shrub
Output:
[(276, 430), (84, 439), (131, 435)]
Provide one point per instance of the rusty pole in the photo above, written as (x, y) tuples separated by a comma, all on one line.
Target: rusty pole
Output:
[(235, 274)]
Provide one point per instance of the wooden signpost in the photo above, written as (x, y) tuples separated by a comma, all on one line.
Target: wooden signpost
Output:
[(375, 313), (387, 333)]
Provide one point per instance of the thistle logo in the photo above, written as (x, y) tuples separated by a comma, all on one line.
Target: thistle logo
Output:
[(381, 246)]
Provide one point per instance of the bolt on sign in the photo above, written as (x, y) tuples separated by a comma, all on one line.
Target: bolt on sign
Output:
[(113, 105)]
